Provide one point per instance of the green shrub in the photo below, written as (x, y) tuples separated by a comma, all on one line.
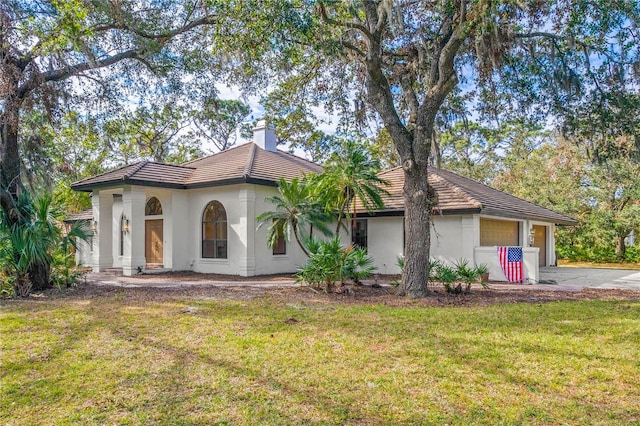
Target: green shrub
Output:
[(36, 241), (6, 288), (447, 276), (64, 272), (330, 263)]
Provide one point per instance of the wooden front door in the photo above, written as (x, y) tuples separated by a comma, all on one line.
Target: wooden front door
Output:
[(540, 241), (153, 238)]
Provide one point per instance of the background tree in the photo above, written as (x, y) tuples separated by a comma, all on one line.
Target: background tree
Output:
[(155, 132), (46, 44), (218, 121)]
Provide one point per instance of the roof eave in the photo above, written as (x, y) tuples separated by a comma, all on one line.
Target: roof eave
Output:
[(555, 220), (400, 212), (119, 182)]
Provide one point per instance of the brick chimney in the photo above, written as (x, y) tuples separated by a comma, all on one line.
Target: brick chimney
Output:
[(264, 137)]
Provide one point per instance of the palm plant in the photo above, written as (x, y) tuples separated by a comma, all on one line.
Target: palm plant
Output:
[(447, 276), (26, 245), (466, 273), (330, 263), (27, 248), (350, 175), (296, 208)]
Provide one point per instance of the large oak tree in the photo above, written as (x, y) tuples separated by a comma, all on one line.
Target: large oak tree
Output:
[(403, 59)]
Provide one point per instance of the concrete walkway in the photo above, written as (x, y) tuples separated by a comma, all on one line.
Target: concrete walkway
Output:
[(166, 281), (551, 278), (590, 278)]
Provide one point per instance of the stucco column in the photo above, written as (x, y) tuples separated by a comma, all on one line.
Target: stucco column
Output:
[(133, 201), (470, 228), (102, 205), (179, 250), (247, 231), (551, 246)]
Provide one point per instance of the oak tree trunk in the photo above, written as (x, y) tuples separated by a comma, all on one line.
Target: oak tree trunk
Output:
[(9, 167), (620, 248), (417, 232)]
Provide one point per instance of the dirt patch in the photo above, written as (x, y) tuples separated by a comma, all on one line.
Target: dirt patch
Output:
[(358, 295), (189, 276)]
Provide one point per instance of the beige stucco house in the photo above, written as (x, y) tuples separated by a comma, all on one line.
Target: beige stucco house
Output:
[(200, 216), (469, 222)]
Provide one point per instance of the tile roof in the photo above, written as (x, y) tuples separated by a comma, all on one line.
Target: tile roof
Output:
[(245, 163), (458, 194), (248, 162), (80, 216), (142, 173)]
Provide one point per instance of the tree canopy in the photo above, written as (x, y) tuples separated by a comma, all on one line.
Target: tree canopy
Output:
[(410, 63)]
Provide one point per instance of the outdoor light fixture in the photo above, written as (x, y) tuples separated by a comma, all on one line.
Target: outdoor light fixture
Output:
[(95, 226), (126, 225), (532, 236)]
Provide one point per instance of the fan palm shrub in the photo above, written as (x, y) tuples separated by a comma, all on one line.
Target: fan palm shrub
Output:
[(28, 247), (296, 207), (330, 263), (349, 175)]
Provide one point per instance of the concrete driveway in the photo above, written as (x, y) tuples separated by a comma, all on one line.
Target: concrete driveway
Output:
[(590, 278)]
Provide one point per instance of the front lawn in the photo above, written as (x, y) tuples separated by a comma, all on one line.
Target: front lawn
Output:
[(119, 359)]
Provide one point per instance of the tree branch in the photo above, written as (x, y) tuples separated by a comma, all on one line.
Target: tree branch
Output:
[(349, 24), (134, 53)]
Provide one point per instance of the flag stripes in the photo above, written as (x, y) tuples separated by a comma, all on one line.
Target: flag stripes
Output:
[(511, 263)]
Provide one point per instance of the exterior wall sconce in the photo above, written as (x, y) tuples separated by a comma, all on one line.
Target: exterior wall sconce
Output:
[(95, 226), (126, 225), (532, 236)]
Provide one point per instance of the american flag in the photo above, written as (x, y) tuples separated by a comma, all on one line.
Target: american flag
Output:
[(511, 263)]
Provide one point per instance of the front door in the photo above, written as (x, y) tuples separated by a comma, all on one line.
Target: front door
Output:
[(153, 238), (540, 241)]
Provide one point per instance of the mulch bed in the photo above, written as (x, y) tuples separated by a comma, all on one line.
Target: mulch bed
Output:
[(358, 295)]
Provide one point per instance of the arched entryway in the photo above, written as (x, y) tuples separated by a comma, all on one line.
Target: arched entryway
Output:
[(154, 233)]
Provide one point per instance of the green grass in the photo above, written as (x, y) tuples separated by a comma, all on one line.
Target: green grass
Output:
[(121, 361), (601, 265)]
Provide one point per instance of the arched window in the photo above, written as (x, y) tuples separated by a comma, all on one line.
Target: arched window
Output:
[(214, 231), (153, 207)]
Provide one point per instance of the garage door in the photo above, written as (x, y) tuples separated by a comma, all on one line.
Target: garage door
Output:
[(499, 232)]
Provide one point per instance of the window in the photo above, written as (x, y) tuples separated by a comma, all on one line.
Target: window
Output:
[(214, 231), (359, 233), (153, 207), (495, 232), (122, 235), (281, 244)]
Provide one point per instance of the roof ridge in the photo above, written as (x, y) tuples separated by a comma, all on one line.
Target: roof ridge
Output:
[(392, 169), (252, 156), (456, 188), (278, 151), (216, 153), (299, 160), (172, 165), (135, 170)]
